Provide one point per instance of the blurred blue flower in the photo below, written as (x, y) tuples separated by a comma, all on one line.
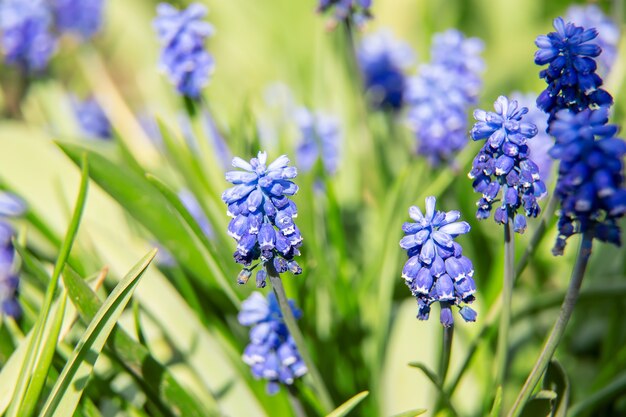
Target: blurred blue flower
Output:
[(591, 16), (383, 60), (10, 206), (439, 97), (571, 75), (25, 37), (356, 10), (436, 270), (319, 140), (182, 35), (263, 215), (82, 17), (191, 203), (542, 142), (91, 119), (272, 354), (590, 185), (504, 164)]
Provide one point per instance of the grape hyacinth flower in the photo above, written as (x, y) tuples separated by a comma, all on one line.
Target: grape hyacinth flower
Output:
[(91, 119), (10, 206), (357, 11), (182, 35), (439, 97), (272, 353), (591, 181), (436, 270), (25, 37), (542, 142), (591, 16), (504, 164), (383, 60), (263, 215), (319, 140), (571, 75), (80, 17)]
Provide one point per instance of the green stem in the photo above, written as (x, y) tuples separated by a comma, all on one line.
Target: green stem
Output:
[(296, 404), (507, 295), (556, 334), (290, 321), (448, 333)]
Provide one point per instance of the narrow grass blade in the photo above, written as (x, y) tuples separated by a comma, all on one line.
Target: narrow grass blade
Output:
[(346, 407), (68, 389), (156, 380), (37, 342)]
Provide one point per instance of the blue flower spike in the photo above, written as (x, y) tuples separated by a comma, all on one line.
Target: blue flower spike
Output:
[(591, 180), (436, 270), (91, 119), (80, 17), (503, 171), (182, 35), (571, 74), (10, 206), (357, 11), (320, 137), (262, 216), (272, 353)]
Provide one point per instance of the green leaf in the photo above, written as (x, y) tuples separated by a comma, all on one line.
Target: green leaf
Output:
[(156, 379), (541, 405), (497, 403), (38, 355), (148, 206), (556, 380), (412, 413), (66, 393), (346, 407)]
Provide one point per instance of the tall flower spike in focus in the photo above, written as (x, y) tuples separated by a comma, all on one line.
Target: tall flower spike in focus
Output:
[(272, 353), (10, 206), (591, 16), (91, 119), (590, 185), (80, 17), (319, 140), (504, 165), (383, 61), (25, 37), (357, 11), (440, 96), (263, 215), (571, 74), (182, 35), (436, 270)]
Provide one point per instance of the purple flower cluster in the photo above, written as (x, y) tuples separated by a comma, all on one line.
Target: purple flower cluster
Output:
[(319, 140), (440, 96), (25, 34), (591, 16), (356, 10), (503, 164), (272, 353), (82, 17), (383, 61), (591, 180), (91, 119), (436, 270), (182, 35), (263, 215), (571, 74), (10, 206)]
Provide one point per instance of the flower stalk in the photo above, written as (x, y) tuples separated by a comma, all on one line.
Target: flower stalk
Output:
[(294, 331), (507, 295), (556, 334)]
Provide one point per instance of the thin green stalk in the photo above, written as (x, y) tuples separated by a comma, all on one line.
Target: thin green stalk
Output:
[(446, 350), (556, 334), (507, 295), (296, 404), (290, 321)]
